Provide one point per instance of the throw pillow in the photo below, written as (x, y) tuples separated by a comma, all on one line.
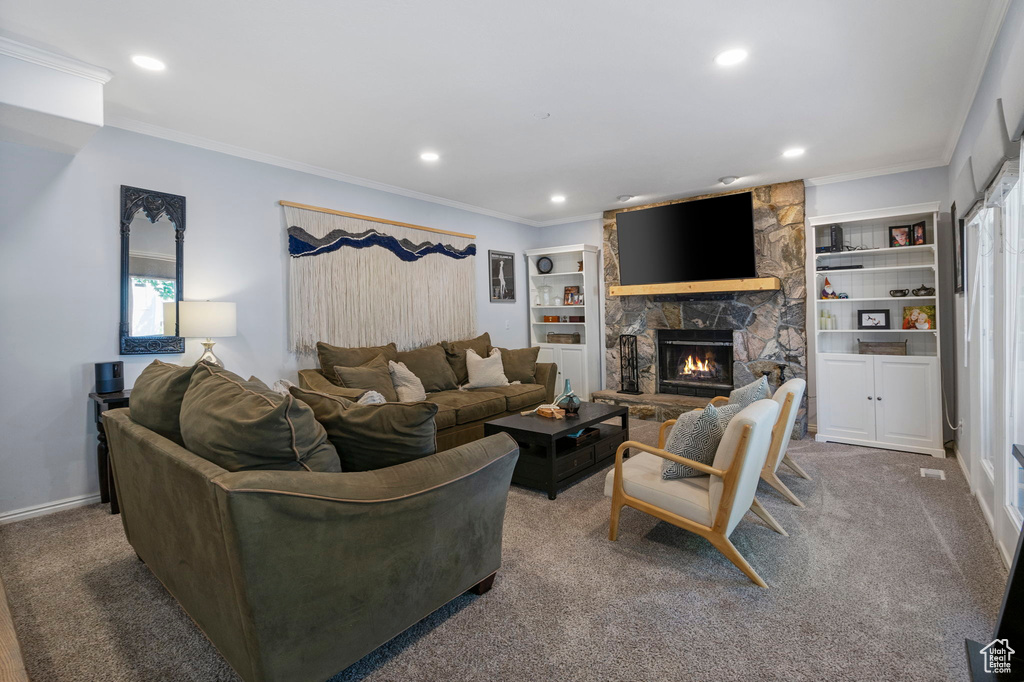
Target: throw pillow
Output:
[(726, 413), (456, 354), (370, 398), (373, 376), (371, 437), (241, 426), (335, 356), (751, 393), (520, 364), (485, 372), (696, 436), (407, 385), (431, 366), (157, 395)]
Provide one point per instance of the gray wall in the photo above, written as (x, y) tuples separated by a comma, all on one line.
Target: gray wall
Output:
[(59, 265)]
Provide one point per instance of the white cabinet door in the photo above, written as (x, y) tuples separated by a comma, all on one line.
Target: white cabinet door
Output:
[(572, 366), (908, 410), (846, 397)]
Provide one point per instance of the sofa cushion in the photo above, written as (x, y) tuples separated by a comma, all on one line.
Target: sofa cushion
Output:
[(470, 406), (456, 354), (517, 396), (371, 437), (641, 478), (373, 376), (335, 356), (520, 363), (156, 398), (446, 416), (431, 366), (240, 426)]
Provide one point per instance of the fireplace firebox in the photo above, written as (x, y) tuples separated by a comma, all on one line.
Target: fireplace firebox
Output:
[(695, 362)]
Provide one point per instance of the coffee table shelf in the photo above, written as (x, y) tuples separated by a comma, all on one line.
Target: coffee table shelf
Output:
[(547, 460)]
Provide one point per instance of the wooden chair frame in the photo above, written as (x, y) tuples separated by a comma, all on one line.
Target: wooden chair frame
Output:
[(768, 474), (716, 532)]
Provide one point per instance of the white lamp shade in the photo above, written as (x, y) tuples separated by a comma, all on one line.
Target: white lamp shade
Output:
[(209, 319)]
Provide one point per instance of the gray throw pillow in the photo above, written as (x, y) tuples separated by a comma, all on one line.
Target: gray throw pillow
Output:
[(696, 436), (751, 393), (726, 413), (373, 376)]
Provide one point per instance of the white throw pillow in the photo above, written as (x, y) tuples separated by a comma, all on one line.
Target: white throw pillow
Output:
[(371, 398), (485, 372), (407, 385)]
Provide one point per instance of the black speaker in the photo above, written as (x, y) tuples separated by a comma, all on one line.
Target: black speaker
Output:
[(836, 234), (109, 377)]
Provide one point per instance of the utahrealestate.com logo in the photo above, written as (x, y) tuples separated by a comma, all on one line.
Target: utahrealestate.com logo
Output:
[(997, 656)]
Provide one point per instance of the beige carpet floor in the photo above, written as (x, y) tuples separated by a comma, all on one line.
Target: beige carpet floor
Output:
[(883, 576)]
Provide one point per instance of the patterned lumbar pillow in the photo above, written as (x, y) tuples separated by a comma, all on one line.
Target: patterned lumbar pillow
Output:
[(751, 393), (696, 436), (407, 385), (485, 372)]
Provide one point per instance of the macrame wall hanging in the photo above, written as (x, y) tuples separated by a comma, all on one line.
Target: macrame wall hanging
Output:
[(361, 281)]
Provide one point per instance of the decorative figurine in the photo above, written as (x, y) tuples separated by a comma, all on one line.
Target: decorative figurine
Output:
[(828, 291)]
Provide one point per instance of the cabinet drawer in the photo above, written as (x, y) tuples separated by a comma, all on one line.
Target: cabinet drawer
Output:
[(570, 464), (608, 446)]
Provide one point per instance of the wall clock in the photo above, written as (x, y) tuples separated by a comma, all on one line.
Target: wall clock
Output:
[(544, 265)]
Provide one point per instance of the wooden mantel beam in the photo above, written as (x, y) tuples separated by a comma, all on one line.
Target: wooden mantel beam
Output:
[(703, 287)]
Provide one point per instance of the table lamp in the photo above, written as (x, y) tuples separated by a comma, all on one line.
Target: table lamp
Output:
[(206, 318)]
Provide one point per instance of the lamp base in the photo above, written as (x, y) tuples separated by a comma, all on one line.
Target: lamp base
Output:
[(208, 355)]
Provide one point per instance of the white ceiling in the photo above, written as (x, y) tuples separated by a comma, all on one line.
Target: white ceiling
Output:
[(637, 105)]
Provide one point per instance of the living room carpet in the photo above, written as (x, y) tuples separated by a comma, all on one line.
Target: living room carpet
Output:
[(883, 576)]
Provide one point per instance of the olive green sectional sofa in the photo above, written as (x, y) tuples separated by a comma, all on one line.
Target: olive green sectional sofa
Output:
[(293, 568), (461, 414)]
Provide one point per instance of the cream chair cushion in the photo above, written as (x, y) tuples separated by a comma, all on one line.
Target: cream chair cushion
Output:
[(641, 478), (796, 387)]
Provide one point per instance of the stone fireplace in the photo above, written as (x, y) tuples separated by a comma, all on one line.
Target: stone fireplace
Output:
[(767, 329), (695, 362)]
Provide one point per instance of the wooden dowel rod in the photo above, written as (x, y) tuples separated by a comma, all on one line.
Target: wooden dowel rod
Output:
[(374, 220)]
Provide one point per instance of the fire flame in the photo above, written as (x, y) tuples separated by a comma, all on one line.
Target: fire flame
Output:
[(694, 366)]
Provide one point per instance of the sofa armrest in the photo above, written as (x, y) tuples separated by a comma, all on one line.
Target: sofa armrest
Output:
[(546, 375), (314, 380), (330, 566)]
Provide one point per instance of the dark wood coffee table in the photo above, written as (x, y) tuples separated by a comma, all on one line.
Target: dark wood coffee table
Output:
[(547, 459)]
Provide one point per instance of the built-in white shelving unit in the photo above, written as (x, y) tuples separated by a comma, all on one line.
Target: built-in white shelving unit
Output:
[(886, 401), (580, 363)]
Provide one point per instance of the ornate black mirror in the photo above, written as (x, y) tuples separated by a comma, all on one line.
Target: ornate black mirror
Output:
[(152, 235)]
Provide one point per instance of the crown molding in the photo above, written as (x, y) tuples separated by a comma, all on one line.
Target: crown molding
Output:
[(571, 219), (875, 213), (35, 55), (252, 155), (993, 26), (875, 172)]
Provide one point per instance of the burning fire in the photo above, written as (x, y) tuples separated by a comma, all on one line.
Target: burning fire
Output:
[(696, 367)]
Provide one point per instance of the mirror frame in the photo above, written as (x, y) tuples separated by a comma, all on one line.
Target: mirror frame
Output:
[(153, 205)]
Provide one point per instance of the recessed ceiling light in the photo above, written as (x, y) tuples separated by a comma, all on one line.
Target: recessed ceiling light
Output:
[(558, 198), (729, 179), (731, 57), (430, 156), (626, 197), (148, 63), (795, 151)]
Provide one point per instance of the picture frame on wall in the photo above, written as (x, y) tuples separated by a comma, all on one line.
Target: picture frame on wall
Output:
[(501, 268), (873, 319), (959, 265), (899, 235)]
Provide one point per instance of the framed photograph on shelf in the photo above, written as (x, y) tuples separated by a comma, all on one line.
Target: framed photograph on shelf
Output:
[(572, 296), (919, 317), (917, 234), (873, 319), (899, 235), (502, 270)]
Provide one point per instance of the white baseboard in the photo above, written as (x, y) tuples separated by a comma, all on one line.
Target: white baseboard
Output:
[(963, 466), (48, 508)]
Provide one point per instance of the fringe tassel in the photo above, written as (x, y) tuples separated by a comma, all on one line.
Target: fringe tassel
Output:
[(370, 297)]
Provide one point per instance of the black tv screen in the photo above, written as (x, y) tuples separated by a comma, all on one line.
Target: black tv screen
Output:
[(688, 242)]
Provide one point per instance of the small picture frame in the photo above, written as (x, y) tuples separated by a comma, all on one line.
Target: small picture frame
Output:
[(873, 319), (919, 317), (900, 235), (572, 296), (918, 236)]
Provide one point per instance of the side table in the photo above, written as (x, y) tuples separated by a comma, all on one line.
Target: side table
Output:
[(103, 402)]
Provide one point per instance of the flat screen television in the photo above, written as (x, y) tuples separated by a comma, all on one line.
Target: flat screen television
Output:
[(688, 242)]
